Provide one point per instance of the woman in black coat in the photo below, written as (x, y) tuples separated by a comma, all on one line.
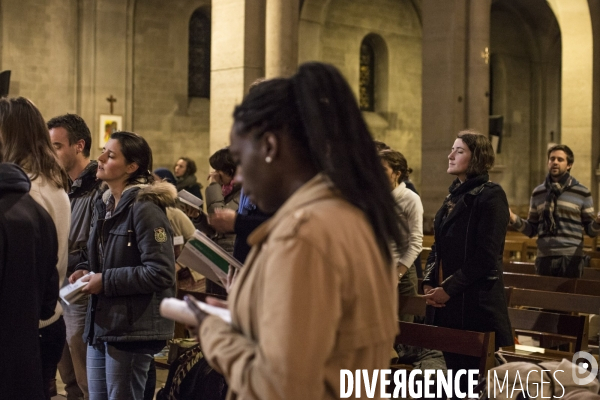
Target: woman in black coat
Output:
[(463, 282)]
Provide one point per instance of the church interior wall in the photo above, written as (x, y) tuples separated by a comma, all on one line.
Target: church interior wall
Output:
[(174, 124), (525, 66), (70, 55), (39, 46), (397, 116)]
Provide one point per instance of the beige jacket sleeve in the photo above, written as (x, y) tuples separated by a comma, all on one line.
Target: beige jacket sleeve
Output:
[(298, 319)]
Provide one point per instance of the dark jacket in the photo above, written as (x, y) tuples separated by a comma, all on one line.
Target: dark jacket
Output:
[(138, 266), (249, 217), (82, 195), (469, 243), (28, 283), (189, 184)]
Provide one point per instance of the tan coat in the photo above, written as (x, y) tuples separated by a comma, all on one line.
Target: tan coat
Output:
[(314, 297)]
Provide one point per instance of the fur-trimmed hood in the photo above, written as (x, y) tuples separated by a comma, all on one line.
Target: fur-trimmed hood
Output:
[(163, 194)]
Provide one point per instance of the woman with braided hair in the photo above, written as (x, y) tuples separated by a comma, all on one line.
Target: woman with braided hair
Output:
[(318, 291)]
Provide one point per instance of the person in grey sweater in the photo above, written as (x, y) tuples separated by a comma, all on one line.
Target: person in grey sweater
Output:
[(561, 210)]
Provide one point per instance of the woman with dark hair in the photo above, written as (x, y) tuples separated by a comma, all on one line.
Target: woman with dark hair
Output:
[(463, 281), (318, 291), (410, 219), (223, 192), (131, 253), (26, 142), (185, 173)]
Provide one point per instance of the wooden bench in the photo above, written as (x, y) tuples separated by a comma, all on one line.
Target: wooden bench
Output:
[(469, 343), (520, 267), (564, 302), (552, 284), (413, 305), (515, 249), (571, 328), (551, 328)]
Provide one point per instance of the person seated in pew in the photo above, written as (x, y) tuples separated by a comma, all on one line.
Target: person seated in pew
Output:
[(318, 291), (561, 211), (463, 282)]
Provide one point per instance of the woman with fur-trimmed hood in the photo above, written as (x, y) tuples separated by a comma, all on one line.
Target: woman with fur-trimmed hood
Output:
[(131, 254)]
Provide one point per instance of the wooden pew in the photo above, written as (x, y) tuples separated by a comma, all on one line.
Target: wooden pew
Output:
[(547, 326), (458, 341), (428, 240), (515, 249), (414, 305), (564, 302), (573, 328), (541, 325), (519, 267), (552, 284), (545, 283)]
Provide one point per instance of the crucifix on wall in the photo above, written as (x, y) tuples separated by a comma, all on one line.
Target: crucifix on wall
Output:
[(109, 123), (111, 100)]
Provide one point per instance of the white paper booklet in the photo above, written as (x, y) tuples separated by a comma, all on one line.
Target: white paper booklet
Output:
[(203, 255), (179, 311), (189, 199), (72, 292)]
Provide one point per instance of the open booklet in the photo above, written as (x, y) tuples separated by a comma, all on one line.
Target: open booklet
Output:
[(187, 198), (179, 311), (72, 291), (203, 255)]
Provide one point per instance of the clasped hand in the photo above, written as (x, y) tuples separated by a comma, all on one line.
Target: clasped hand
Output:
[(436, 297)]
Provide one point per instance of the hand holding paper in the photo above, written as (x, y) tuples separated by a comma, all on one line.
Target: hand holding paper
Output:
[(180, 311), (73, 291)]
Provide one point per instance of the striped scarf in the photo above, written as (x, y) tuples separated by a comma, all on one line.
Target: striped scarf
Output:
[(550, 218)]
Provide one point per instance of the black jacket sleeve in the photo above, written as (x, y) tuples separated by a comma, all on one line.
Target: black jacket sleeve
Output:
[(429, 275), (157, 269), (246, 224), (49, 282)]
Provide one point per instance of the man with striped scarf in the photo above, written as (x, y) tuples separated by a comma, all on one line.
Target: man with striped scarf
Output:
[(561, 210)]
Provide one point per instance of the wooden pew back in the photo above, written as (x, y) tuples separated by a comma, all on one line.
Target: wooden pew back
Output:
[(541, 322), (552, 284), (457, 341)]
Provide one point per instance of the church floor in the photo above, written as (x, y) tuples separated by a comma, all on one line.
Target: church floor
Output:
[(161, 377)]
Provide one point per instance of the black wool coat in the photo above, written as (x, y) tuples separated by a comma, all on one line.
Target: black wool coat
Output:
[(469, 243), (28, 284)]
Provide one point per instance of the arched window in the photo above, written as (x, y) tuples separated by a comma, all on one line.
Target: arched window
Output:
[(199, 55), (367, 76)]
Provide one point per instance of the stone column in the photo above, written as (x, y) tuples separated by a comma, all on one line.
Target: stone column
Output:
[(282, 20), (577, 84), (237, 60), (455, 83), (477, 100)]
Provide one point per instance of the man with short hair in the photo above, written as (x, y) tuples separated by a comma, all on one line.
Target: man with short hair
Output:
[(561, 209), (72, 141)]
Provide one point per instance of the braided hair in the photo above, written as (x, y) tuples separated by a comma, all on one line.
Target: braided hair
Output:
[(319, 111)]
